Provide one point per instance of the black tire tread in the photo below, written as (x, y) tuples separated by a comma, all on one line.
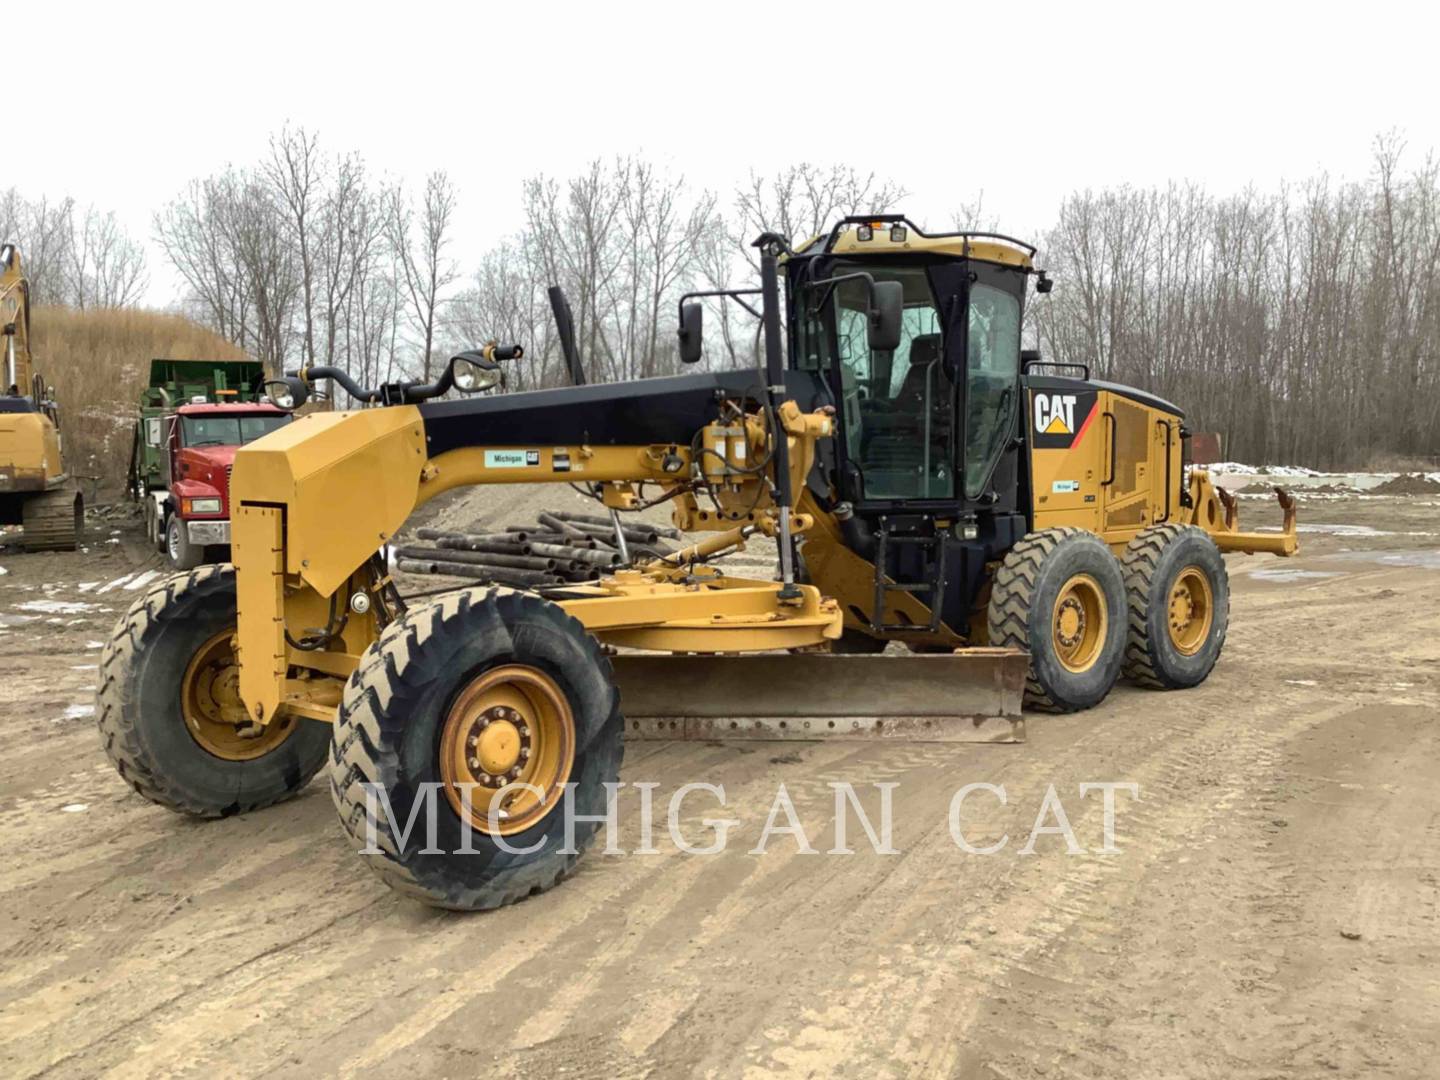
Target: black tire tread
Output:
[(1010, 599), (1140, 563), (133, 633), (354, 759)]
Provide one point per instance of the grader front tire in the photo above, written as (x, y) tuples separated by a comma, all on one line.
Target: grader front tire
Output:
[(1060, 596), (1178, 597), (486, 689), (166, 707)]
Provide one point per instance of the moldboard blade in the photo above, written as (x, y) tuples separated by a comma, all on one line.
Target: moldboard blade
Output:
[(971, 695)]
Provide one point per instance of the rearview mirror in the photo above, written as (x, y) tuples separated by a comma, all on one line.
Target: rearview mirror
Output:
[(888, 304), (692, 319)]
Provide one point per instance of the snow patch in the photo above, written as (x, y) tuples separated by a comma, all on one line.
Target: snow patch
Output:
[(55, 607), (74, 808), (114, 584), (76, 712), (139, 581)]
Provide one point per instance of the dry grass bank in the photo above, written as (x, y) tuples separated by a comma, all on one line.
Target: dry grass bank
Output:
[(98, 361)]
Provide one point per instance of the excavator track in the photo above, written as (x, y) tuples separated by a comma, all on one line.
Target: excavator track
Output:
[(53, 520)]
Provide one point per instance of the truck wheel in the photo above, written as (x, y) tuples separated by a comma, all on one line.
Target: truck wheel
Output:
[(1059, 594), (1179, 606), (169, 715), (183, 555), (455, 706)]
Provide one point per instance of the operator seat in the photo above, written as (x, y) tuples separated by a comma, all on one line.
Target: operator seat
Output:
[(896, 454)]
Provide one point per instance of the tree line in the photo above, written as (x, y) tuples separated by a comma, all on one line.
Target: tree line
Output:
[(78, 258), (1303, 323)]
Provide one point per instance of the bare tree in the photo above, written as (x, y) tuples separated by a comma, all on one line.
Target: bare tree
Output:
[(106, 267), (191, 231), (425, 270), (294, 171), (803, 200), (44, 229), (349, 241)]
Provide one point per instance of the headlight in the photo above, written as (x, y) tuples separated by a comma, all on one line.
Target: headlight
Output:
[(288, 392), (202, 506), (471, 377)]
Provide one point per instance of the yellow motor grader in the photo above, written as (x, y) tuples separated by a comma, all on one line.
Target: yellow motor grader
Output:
[(1023, 536), (36, 491)]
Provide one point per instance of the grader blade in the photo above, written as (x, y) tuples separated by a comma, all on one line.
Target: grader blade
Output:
[(972, 695)]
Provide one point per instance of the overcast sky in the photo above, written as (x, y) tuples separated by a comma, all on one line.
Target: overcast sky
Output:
[(1025, 101)]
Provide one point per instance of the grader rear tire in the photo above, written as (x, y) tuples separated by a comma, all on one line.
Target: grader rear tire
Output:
[(167, 706), (1178, 595), (1060, 596), (485, 689)]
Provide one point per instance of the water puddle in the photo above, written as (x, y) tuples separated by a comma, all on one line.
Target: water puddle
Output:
[(1427, 560), (1284, 575)]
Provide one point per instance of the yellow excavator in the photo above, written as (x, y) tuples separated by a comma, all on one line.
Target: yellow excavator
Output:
[(958, 533), (36, 491)]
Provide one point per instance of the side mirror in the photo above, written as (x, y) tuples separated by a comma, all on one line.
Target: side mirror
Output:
[(287, 392), (1029, 358), (692, 322), (888, 300)]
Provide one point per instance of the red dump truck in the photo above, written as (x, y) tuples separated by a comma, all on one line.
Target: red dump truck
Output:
[(194, 415)]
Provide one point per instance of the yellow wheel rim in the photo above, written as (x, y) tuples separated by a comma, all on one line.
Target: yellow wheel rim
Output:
[(1191, 610), (214, 714), (510, 726), (1079, 622)]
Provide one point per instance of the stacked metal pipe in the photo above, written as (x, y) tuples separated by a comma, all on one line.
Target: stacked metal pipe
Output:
[(560, 548)]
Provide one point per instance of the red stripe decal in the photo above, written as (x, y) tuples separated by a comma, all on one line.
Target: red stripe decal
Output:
[(1086, 425)]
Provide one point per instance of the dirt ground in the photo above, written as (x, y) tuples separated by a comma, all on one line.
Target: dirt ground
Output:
[(1271, 911)]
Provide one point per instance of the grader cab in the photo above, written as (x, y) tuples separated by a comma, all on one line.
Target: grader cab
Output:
[(1020, 536)]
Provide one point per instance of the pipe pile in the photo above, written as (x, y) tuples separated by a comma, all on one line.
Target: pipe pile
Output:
[(560, 548)]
